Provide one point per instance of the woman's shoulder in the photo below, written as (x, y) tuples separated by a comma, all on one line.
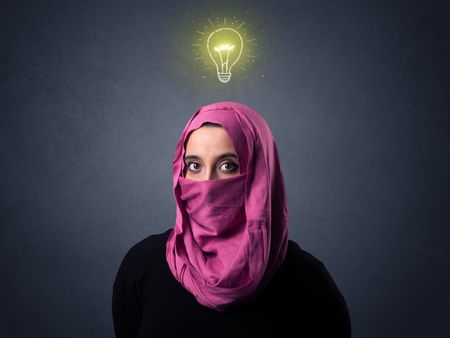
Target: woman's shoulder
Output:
[(151, 243), (308, 272), (142, 256), (310, 285)]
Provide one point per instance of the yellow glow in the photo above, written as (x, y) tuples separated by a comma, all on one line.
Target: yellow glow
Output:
[(229, 44)]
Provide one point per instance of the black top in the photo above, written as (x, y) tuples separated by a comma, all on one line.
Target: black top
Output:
[(301, 300)]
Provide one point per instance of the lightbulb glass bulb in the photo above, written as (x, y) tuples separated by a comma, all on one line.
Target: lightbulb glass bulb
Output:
[(225, 48)]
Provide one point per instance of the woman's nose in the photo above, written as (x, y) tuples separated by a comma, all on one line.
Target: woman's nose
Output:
[(210, 174)]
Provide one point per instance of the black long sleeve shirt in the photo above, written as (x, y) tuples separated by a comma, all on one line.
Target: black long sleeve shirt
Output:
[(301, 300)]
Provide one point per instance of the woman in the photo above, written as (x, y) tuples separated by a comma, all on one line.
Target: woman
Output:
[(226, 268)]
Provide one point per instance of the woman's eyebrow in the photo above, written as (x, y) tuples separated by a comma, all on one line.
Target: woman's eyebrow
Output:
[(195, 157)]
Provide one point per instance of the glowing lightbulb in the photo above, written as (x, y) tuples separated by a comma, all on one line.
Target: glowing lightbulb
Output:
[(224, 47)]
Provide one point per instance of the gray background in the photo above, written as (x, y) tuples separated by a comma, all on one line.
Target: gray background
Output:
[(94, 96)]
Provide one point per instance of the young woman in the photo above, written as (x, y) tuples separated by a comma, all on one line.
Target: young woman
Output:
[(227, 267)]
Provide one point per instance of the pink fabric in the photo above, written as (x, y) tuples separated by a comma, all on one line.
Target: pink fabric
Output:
[(230, 235)]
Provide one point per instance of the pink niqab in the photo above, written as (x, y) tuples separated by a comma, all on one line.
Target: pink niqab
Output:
[(230, 235)]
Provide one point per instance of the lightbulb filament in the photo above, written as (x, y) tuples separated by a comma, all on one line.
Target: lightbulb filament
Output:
[(224, 47)]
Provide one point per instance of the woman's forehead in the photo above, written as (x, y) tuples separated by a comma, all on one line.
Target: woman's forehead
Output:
[(207, 137), (231, 128)]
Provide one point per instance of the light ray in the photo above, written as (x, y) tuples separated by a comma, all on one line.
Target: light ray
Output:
[(240, 25)]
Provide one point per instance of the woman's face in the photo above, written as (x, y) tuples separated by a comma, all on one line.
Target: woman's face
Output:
[(210, 155)]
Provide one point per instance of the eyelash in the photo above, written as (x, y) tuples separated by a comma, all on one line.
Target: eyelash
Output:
[(229, 162)]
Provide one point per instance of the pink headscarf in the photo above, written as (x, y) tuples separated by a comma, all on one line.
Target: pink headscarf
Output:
[(230, 235)]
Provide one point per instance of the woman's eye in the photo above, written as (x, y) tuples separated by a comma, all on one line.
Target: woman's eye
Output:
[(189, 165), (230, 164)]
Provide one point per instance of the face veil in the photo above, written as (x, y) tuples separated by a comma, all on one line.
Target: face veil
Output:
[(230, 235)]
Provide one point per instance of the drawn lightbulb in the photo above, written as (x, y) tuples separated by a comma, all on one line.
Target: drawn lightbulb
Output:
[(224, 47)]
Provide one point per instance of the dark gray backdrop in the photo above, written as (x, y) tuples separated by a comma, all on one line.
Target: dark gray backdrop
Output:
[(94, 96)]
